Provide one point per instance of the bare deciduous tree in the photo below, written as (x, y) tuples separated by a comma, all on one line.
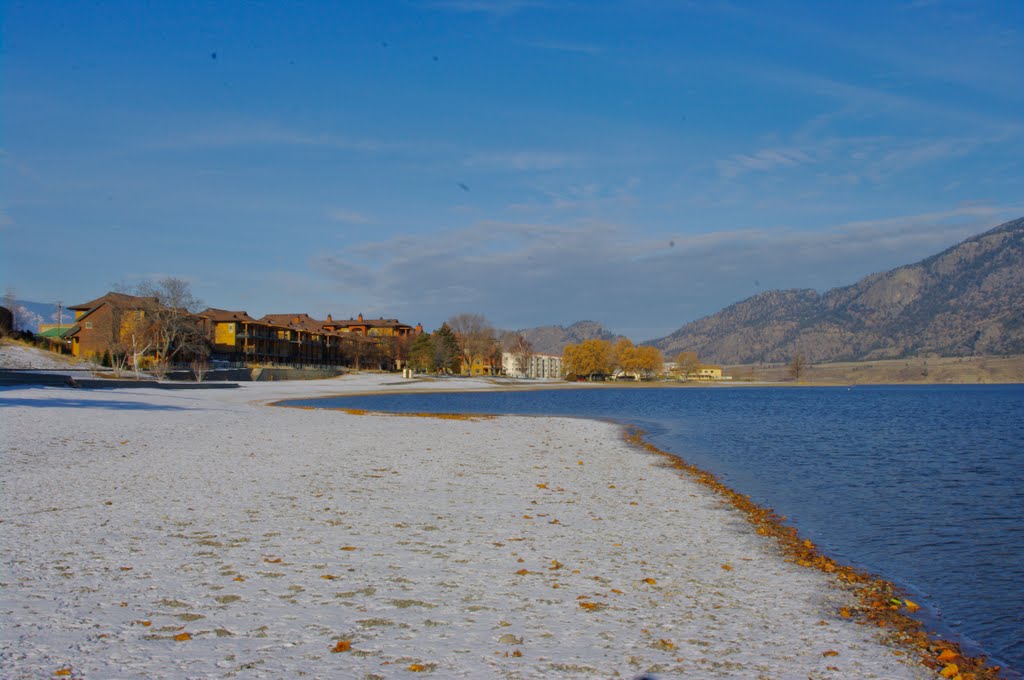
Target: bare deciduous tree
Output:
[(200, 366), (176, 331), (522, 354), (687, 364), (797, 366), (475, 338)]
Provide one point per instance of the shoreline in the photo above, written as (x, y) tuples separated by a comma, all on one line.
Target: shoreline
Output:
[(881, 602), (600, 528)]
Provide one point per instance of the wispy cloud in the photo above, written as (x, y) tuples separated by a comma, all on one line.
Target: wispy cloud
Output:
[(856, 159), (525, 274), (764, 159), (497, 8), (561, 46), (523, 160), (347, 216), (245, 134)]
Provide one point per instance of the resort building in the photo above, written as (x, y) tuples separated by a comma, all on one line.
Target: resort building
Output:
[(539, 366), (117, 323), (108, 322)]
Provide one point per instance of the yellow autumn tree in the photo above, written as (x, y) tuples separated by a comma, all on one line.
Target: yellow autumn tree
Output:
[(639, 362), (588, 358)]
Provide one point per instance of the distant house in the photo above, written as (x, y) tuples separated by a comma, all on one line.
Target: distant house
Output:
[(707, 372)]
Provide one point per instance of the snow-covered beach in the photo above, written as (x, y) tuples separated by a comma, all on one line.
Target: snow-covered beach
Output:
[(205, 533)]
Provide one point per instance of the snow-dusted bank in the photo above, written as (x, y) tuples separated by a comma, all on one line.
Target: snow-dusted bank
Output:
[(150, 534)]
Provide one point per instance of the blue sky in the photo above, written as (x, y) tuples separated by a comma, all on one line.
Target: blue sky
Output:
[(641, 164)]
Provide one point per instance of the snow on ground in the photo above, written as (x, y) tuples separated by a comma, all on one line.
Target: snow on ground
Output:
[(205, 534), (15, 355)]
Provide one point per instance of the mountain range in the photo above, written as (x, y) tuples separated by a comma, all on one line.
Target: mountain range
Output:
[(967, 300), (553, 339)]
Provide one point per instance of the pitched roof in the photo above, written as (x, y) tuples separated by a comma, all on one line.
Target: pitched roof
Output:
[(214, 314), (299, 321), (372, 323), (119, 300)]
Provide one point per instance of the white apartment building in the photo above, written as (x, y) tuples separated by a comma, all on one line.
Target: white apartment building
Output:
[(541, 366)]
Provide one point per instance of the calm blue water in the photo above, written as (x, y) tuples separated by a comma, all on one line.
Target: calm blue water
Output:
[(923, 485)]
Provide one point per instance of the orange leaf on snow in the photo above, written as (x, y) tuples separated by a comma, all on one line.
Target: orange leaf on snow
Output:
[(63, 671), (348, 547), (555, 564), (845, 612), (342, 646), (830, 652), (272, 560), (950, 671), (542, 486), (417, 667), (522, 572), (727, 567), (592, 606), (328, 577), (911, 606), (182, 637), (650, 581), (947, 655), (238, 578)]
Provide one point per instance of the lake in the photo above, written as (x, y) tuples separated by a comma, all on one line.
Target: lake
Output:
[(922, 485)]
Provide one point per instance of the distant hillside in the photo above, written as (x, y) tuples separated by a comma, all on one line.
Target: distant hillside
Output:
[(553, 339), (967, 300)]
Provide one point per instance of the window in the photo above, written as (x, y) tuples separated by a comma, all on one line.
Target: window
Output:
[(88, 324)]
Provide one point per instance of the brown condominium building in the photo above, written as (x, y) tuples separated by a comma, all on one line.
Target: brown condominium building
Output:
[(117, 321), (301, 339)]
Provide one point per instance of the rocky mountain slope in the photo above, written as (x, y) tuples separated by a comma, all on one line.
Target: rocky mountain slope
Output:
[(553, 339), (967, 300)]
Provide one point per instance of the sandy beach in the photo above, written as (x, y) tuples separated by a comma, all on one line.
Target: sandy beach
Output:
[(205, 533)]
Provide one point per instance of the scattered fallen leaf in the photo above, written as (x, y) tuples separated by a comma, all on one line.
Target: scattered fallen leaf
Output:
[(845, 612), (911, 606), (272, 560), (555, 564), (592, 606), (950, 671), (616, 591), (341, 646), (238, 578), (63, 671), (517, 653), (830, 652), (727, 567), (947, 655), (126, 568), (542, 486), (650, 581), (522, 572), (664, 645), (579, 462), (328, 577), (348, 547), (417, 667), (144, 623), (182, 637)]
